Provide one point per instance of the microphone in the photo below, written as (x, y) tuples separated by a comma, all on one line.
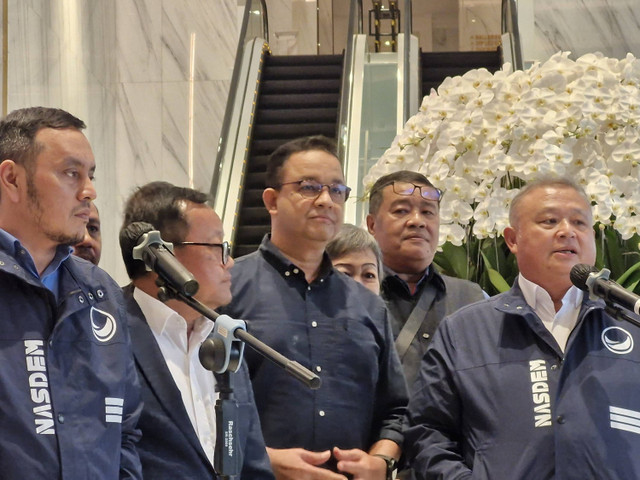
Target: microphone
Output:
[(587, 278), (158, 256)]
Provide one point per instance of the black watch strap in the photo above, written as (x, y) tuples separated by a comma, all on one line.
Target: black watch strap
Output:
[(392, 463)]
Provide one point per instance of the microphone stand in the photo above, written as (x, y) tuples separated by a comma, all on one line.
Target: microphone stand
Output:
[(222, 355), (618, 312)]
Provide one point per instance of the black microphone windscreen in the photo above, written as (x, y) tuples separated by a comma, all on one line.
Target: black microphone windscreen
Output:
[(579, 275), (133, 232)]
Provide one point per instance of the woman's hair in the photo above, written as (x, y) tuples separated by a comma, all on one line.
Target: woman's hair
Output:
[(354, 239)]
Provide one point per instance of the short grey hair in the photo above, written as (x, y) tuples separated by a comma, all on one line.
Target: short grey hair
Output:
[(354, 239), (541, 182)]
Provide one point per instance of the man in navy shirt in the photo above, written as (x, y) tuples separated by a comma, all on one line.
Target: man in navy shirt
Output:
[(297, 303)]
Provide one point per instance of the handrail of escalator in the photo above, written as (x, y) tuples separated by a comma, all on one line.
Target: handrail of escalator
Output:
[(509, 10), (406, 67), (235, 81), (355, 27)]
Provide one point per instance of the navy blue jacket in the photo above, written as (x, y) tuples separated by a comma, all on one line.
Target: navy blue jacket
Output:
[(497, 399), (169, 448), (69, 394)]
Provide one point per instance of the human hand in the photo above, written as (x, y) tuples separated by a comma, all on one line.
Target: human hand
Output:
[(301, 464), (360, 464)]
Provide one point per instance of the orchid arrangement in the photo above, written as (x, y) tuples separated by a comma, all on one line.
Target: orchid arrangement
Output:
[(481, 136)]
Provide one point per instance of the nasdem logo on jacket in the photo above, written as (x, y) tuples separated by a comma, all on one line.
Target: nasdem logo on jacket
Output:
[(617, 340), (540, 393), (103, 325), (39, 387)]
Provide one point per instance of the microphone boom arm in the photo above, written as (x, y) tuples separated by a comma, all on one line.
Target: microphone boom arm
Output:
[(294, 368)]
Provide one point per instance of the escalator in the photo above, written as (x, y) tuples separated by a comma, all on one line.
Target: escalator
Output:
[(298, 96), (436, 66)]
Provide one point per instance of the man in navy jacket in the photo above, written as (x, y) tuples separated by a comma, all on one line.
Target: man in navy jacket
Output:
[(538, 382), (178, 422), (69, 392)]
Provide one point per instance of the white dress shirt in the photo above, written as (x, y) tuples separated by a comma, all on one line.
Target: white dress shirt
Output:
[(196, 384), (559, 323)]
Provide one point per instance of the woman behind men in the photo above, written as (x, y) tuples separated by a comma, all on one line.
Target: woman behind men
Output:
[(355, 253)]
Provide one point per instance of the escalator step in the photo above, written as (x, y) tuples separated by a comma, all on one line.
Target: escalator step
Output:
[(292, 72), (304, 60), (293, 115), (265, 146), (255, 180), (250, 234), (294, 130), (292, 100), (300, 86), (254, 216), (253, 198)]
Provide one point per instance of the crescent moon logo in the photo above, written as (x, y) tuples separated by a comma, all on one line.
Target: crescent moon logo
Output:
[(617, 340), (103, 325)]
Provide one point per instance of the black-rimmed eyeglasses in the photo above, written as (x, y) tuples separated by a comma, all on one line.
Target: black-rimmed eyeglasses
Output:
[(312, 189), (226, 249), (426, 192)]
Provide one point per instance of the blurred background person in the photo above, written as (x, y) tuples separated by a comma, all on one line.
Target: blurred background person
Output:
[(355, 252), (90, 248)]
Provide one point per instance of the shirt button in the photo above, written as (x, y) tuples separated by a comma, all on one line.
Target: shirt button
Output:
[(560, 419), (318, 368), (287, 273), (80, 298), (100, 293), (321, 413), (554, 367), (519, 307), (295, 270), (90, 295), (61, 418), (426, 335), (314, 324), (309, 287)]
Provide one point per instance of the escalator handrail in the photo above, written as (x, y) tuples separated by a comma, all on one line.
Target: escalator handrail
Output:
[(406, 74), (509, 11), (355, 27), (233, 90)]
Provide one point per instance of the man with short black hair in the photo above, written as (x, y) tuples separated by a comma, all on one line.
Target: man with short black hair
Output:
[(178, 421), (298, 304), (404, 218), (69, 390)]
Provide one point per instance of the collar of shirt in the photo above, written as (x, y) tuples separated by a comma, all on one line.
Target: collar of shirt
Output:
[(559, 323), (392, 280), (166, 322), (51, 275), (281, 263)]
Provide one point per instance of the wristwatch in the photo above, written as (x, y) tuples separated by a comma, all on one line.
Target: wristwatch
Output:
[(392, 464)]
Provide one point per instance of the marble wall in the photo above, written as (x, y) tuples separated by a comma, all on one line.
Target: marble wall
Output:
[(149, 77), (579, 26)]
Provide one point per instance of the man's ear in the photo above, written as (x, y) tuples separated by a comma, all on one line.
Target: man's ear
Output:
[(9, 185), (269, 198), (371, 223), (510, 239)]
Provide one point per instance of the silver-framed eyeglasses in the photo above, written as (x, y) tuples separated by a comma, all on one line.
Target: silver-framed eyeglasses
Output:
[(338, 192), (426, 192), (224, 246)]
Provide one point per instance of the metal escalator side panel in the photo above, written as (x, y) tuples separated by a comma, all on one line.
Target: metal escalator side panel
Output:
[(232, 167)]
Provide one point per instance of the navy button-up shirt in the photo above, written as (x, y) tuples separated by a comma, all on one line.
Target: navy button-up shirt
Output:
[(333, 326)]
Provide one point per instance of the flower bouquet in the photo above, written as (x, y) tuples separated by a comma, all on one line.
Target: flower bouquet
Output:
[(481, 136)]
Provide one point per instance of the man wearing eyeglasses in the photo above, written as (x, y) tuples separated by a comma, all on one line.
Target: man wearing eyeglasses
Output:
[(298, 304), (404, 218), (178, 421)]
